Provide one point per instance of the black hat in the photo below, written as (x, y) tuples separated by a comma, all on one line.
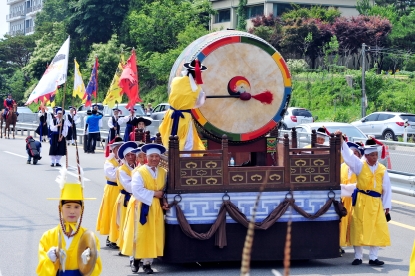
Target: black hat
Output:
[(192, 65), (89, 112), (370, 142), (146, 122), (322, 131)]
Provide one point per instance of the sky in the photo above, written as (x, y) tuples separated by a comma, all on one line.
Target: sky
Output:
[(4, 9)]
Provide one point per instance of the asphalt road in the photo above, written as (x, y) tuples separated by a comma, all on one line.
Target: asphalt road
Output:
[(26, 213)]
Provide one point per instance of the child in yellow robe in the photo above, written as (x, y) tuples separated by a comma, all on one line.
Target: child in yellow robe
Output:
[(70, 232)]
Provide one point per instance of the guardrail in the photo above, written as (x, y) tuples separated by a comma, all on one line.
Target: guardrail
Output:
[(29, 129), (402, 183)]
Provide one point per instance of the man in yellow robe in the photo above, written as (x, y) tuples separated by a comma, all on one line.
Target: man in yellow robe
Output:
[(348, 183), (371, 201), (148, 183), (129, 230), (69, 230), (127, 153), (185, 95), (111, 190)]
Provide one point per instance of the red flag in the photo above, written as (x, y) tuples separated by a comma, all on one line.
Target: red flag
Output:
[(129, 81)]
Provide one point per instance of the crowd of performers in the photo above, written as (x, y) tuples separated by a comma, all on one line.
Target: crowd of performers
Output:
[(131, 214)]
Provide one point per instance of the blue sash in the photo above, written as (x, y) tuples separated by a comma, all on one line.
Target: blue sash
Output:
[(369, 193), (112, 183), (69, 273), (128, 129), (126, 197), (143, 213), (175, 116)]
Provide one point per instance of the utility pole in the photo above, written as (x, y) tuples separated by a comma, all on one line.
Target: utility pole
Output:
[(363, 81)]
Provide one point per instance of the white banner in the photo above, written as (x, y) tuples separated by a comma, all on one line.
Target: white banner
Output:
[(54, 75)]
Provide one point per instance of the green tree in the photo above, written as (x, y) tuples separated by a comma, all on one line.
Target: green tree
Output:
[(94, 21), (315, 12), (241, 11), (52, 11), (155, 27), (108, 57), (363, 7)]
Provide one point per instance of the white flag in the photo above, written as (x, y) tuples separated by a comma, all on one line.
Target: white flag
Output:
[(54, 75)]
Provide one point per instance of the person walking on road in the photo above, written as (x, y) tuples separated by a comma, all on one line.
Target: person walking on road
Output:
[(59, 130), (372, 203), (93, 130)]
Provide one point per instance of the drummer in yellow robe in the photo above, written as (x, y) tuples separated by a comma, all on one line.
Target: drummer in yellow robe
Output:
[(371, 202), (111, 190), (131, 218), (127, 154), (185, 94), (348, 184), (69, 230), (148, 183)]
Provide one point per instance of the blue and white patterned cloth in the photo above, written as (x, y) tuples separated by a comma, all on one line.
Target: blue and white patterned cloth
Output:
[(203, 208)]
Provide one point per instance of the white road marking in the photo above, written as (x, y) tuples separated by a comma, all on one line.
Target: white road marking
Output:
[(15, 154), (57, 168)]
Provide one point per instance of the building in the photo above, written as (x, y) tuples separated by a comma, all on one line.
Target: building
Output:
[(227, 9), (22, 14)]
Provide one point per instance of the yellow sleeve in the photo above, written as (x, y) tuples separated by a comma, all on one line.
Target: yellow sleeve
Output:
[(412, 262), (45, 266), (98, 265)]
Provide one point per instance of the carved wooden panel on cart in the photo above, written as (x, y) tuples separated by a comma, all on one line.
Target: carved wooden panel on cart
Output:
[(249, 176), (200, 172), (313, 169)]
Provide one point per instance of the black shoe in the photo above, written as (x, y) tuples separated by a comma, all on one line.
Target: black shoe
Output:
[(147, 269), (135, 265), (113, 245), (35, 161), (357, 262), (58, 165), (376, 262), (28, 162), (341, 250), (107, 242), (52, 165)]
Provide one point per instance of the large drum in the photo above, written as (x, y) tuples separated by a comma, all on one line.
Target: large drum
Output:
[(238, 63)]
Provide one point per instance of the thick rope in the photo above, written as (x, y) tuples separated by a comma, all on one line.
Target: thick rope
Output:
[(238, 216)]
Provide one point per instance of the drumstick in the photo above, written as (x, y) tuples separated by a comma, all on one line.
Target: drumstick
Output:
[(223, 96), (264, 97)]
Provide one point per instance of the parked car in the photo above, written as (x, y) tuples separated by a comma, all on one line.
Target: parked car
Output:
[(159, 111), (386, 125), (295, 116), (352, 132)]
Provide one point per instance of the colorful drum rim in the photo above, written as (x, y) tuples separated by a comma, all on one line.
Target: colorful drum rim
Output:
[(223, 38)]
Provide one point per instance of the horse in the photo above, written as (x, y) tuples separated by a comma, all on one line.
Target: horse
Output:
[(11, 120)]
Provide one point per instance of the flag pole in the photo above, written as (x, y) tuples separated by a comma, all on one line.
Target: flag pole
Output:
[(73, 97), (96, 79)]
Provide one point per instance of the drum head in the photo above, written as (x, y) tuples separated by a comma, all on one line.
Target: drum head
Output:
[(238, 62)]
